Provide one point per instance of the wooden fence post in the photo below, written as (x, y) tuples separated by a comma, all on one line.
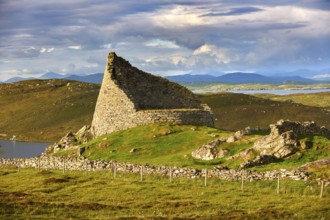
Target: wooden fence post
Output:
[(141, 172), (322, 187), (171, 174), (38, 164), (278, 183), (86, 169), (205, 180), (64, 165), (242, 184), (114, 171)]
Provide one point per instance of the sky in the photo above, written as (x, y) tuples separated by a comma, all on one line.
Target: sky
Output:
[(165, 37)]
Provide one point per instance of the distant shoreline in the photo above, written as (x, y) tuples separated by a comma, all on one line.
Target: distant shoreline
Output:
[(263, 91)]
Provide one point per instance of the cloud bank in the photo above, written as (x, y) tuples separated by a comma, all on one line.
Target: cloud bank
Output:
[(163, 37)]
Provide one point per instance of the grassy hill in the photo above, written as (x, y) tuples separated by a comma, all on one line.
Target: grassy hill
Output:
[(237, 111), (172, 145), (313, 99), (45, 110)]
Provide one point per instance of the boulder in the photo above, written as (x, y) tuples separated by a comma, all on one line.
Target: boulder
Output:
[(279, 146), (231, 139), (84, 134), (209, 151), (306, 145)]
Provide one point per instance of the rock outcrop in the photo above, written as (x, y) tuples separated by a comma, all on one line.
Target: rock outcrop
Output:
[(72, 141), (283, 138), (209, 151), (130, 97)]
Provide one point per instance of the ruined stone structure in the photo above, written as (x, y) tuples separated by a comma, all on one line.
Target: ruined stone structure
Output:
[(130, 97)]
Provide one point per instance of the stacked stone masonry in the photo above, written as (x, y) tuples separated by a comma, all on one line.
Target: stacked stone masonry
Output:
[(82, 164), (130, 97)]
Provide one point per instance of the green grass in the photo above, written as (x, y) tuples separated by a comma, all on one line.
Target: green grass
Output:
[(158, 144), (29, 194), (314, 99), (172, 145), (237, 111)]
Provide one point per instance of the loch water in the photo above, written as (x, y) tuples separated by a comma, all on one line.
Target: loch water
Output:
[(18, 149)]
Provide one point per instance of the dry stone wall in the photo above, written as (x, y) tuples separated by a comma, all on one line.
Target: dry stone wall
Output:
[(82, 164), (130, 97)]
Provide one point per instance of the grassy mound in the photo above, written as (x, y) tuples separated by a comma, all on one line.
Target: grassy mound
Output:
[(172, 145)]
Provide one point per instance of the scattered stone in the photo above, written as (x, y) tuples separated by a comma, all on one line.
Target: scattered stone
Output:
[(231, 139), (306, 145), (133, 150), (209, 152), (279, 146)]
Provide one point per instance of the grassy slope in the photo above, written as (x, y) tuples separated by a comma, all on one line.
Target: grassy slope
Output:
[(45, 110), (251, 86), (74, 195), (172, 146), (313, 99), (237, 111)]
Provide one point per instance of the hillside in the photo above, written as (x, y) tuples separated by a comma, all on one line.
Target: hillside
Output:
[(172, 145), (45, 110), (237, 111), (313, 99)]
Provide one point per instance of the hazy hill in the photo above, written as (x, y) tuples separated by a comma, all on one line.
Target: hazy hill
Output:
[(47, 109), (188, 79), (238, 78)]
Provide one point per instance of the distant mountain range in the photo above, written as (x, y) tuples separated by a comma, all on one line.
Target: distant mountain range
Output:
[(239, 78), (189, 79), (92, 78)]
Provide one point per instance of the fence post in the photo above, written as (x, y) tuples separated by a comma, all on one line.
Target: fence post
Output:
[(205, 181), (171, 174), (64, 165), (38, 164), (141, 172), (322, 187), (114, 171), (278, 183), (86, 169), (242, 184)]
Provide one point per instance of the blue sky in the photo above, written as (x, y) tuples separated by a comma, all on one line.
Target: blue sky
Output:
[(164, 37)]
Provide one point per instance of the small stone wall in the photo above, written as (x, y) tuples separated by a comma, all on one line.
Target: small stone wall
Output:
[(82, 164), (305, 128)]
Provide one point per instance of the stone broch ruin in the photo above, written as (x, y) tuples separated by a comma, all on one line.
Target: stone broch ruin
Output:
[(130, 97)]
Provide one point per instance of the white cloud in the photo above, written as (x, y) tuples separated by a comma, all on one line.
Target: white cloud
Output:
[(322, 76), (76, 47), (106, 46), (219, 54), (158, 43), (44, 50)]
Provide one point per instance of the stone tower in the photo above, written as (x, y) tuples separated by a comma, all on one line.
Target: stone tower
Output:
[(130, 97)]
